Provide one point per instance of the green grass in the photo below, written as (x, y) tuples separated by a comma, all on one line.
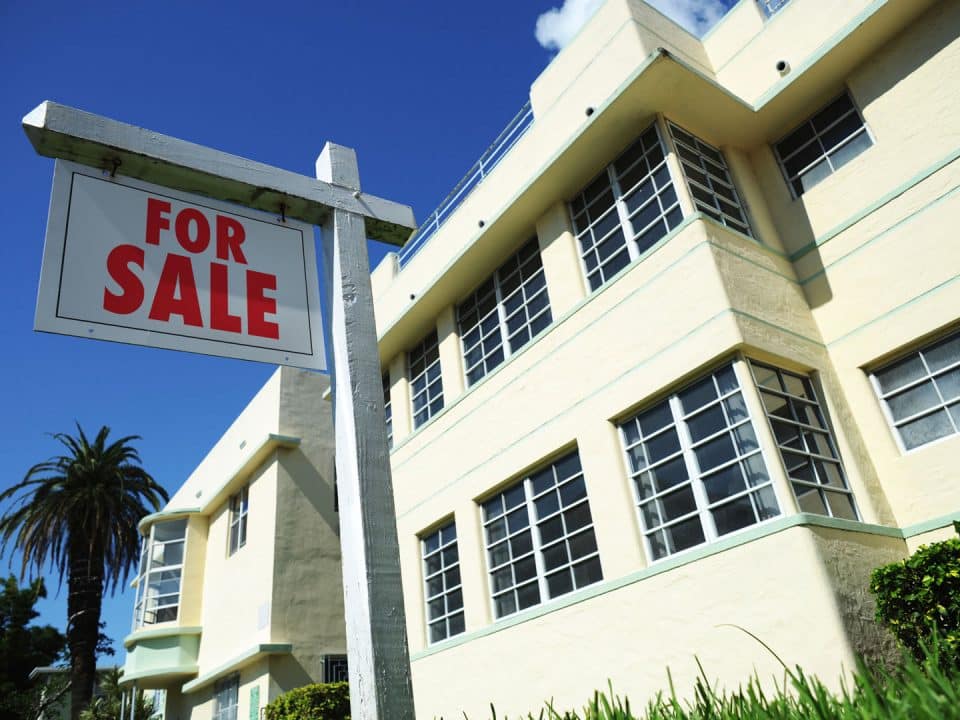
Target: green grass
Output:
[(918, 690)]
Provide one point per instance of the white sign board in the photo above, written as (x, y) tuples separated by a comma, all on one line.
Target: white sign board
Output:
[(133, 262)]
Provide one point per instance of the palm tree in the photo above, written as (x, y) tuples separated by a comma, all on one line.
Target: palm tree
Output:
[(78, 513)]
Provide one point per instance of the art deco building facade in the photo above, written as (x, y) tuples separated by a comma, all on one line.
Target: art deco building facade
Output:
[(238, 594), (681, 357)]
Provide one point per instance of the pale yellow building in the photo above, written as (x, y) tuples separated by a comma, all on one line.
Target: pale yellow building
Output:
[(682, 358), (238, 594)]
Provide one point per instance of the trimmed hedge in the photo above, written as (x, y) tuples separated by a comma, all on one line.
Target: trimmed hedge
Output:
[(919, 598), (322, 701)]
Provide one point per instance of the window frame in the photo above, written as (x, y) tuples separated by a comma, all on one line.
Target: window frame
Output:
[(146, 569), (498, 279), (239, 510), (678, 142), (810, 381), (231, 685), (825, 155), (440, 551), (892, 423), (387, 408), (428, 344), (623, 213), (537, 545), (703, 507)]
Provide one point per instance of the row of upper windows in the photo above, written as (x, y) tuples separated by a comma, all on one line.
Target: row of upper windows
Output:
[(698, 470), (618, 216)]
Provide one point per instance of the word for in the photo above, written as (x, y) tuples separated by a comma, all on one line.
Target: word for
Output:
[(176, 292)]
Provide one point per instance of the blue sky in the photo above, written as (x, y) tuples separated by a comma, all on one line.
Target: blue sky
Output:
[(419, 89)]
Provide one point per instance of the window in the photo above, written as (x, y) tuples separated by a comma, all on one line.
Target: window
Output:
[(822, 145), (696, 466), (708, 180), (239, 507), (335, 668), (425, 381), (805, 442), (921, 393), (441, 573), (159, 574), (626, 209), (503, 314), (226, 697), (554, 555), (387, 408)]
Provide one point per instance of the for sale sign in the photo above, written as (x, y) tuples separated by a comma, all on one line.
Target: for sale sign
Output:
[(134, 262)]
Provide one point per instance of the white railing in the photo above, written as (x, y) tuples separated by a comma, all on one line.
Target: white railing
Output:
[(514, 130), (770, 7)]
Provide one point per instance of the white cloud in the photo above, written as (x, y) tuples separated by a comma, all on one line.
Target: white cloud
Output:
[(697, 16), (557, 26)]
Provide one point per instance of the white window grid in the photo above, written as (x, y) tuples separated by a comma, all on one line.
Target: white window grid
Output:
[(387, 408), (626, 209), (708, 179), (335, 668), (512, 304), (805, 440), (226, 698), (830, 139), (426, 383), (697, 468), (557, 555), (239, 509), (443, 593), (920, 393), (160, 574)]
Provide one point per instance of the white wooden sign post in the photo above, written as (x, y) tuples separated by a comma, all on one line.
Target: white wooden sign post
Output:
[(379, 662)]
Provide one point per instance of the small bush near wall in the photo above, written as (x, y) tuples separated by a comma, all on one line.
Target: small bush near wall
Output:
[(323, 701), (920, 596)]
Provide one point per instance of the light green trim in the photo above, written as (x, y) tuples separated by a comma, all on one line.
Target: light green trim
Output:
[(154, 672), (570, 313), (930, 525), (943, 197), (470, 241), (246, 466), (825, 47), (744, 537), (251, 655), (889, 197), (686, 222), (147, 520), (745, 259), (172, 630), (708, 33), (893, 311)]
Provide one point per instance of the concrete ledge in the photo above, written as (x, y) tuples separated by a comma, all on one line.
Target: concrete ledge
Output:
[(257, 652), (165, 631)]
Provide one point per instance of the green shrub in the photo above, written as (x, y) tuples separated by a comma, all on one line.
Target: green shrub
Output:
[(322, 701), (919, 598)]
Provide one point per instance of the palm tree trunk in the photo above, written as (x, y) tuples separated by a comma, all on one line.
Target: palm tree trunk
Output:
[(84, 598)]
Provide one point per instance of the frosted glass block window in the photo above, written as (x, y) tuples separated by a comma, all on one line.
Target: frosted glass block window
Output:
[(442, 591), (805, 441), (696, 466), (626, 209), (539, 538), (823, 144), (921, 393)]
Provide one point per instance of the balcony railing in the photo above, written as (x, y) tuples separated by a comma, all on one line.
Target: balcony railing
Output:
[(771, 7), (514, 130)]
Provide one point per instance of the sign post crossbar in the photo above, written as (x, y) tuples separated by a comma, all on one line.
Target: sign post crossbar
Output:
[(379, 662)]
